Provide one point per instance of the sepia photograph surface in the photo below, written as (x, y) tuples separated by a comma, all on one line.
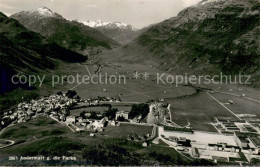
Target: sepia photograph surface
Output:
[(129, 83)]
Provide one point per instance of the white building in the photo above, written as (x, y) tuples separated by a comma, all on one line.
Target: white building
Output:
[(70, 119), (123, 114), (100, 124)]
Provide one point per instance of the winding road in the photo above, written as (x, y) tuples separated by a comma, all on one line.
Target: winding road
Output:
[(11, 141)]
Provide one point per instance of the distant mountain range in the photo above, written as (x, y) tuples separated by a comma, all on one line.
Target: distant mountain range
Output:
[(120, 32), (212, 36), (69, 34), (100, 23)]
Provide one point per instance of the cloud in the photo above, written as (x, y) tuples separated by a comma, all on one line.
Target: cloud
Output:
[(188, 3), (92, 6), (6, 7)]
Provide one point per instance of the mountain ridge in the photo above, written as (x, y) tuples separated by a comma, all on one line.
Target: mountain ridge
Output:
[(41, 12), (69, 34), (100, 23), (220, 36), (21, 50)]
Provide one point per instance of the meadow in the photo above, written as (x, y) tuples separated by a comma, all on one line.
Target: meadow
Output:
[(199, 110)]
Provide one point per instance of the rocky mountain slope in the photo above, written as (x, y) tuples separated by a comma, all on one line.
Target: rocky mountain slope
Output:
[(69, 34), (120, 32), (22, 50), (212, 36)]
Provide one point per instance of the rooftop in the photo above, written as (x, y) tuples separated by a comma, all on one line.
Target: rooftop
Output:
[(255, 141)]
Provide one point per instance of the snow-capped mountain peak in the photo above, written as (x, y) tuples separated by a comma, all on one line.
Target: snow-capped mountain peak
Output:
[(121, 25), (108, 25), (42, 12), (94, 24)]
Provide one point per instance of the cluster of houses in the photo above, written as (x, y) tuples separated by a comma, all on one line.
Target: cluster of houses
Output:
[(56, 106), (160, 110), (97, 101), (80, 124), (136, 137), (48, 105)]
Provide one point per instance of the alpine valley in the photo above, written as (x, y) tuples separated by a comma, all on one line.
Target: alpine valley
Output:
[(108, 94)]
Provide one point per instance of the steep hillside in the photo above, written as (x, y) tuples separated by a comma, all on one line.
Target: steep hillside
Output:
[(69, 34), (213, 36), (22, 50)]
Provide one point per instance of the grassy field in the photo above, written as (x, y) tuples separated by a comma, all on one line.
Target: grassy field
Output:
[(123, 108), (12, 98), (43, 136), (240, 106), (137, 90), (36, 128), (77, 112), (110, 133), (125, 129), (111, 151), (43, 127), (199, 110), (234, 89)]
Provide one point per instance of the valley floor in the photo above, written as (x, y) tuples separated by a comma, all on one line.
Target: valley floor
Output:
[(193, 106), (188, 105)]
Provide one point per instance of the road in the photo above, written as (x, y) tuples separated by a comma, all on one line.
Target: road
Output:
[(8, 145), (2, 131), (232, 94), (128, 102), (11, 141), (231, 111), (223, 105), (63, 124), (89, 74)]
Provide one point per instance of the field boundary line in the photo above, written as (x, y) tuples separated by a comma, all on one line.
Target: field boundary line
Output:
[(223, 105)]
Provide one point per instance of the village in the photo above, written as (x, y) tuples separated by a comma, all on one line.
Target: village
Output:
[(58, 107), (237, 140)]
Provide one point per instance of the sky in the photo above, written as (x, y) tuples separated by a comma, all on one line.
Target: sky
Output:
[(138, 13)]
